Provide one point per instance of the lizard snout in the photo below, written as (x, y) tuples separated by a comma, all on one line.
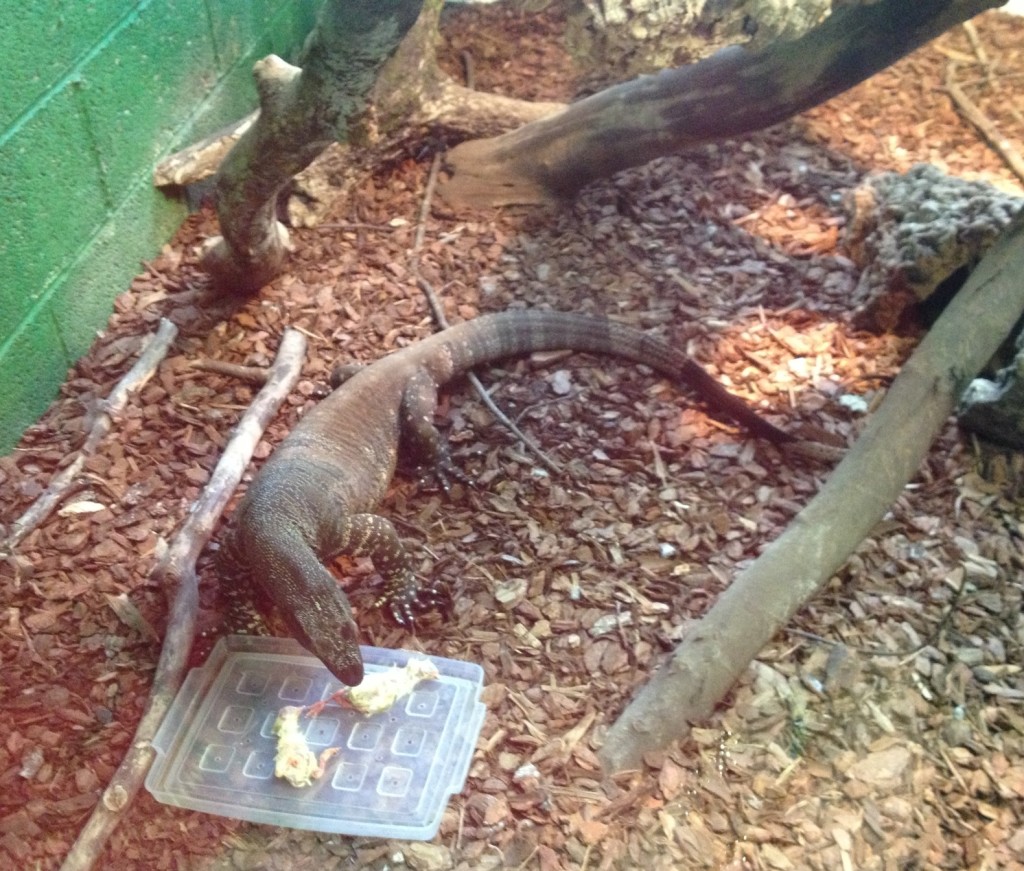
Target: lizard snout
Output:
[(337, 646), (325, 627), (349, 671)]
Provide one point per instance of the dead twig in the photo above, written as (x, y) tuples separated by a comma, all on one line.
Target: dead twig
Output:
[(1004, 77), (1002, 146), (249, 374), (433, 303), (176, 571), (359, 225), (421, 221), (981, 54), (433, 300), (62, 484)]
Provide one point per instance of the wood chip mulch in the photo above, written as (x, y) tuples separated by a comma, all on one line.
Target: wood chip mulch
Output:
[(883, 729)]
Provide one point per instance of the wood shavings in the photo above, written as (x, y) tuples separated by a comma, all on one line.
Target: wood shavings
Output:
[(670, 248)]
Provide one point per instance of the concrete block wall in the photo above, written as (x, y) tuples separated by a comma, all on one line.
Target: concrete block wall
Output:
[(96, 93)]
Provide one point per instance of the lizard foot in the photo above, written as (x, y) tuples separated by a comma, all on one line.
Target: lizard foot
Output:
[(444, 473), (404, 602)]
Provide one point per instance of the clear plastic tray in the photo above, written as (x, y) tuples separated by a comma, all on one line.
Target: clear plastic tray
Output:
[(392, 777)]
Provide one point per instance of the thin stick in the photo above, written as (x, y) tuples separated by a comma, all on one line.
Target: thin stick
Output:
[(358, 225), (132, 381), (433, 302), (1002, 146), (485, 396), (437, 309), (176, 571), (428, 196), (249, 374), (765, 595), (980, 53)]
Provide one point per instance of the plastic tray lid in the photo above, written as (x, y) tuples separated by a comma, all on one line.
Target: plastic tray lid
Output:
[(392, 777)]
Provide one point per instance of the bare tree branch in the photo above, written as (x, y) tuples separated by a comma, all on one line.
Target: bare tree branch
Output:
[(176, 571), (796, 565), (302, 111), (733, 92), (249, 374)]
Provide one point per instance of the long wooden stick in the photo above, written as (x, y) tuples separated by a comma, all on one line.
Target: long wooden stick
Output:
[(1002, 146), (176, 570), (799, 562), (132, 381)]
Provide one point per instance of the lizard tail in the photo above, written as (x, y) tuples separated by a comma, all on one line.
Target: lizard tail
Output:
[(516, 333)]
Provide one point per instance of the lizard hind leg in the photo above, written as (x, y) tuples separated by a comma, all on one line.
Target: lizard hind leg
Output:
[(423, 447)]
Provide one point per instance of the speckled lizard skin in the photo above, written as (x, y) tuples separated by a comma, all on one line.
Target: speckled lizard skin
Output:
[(314, 498)]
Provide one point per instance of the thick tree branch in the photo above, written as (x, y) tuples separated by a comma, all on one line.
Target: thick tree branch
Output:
[(302, 111), (176, 571), (553, 155), (733, 92), (795, 566)]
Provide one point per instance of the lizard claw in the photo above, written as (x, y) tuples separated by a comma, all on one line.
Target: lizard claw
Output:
[(401, 610), (447, 472), (444, 473), (433, 596), (404, 602)]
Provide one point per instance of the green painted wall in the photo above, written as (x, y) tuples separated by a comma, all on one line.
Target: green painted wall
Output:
[(96, 93)]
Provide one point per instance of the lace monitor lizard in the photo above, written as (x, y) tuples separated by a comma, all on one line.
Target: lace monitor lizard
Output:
[(315, 497)]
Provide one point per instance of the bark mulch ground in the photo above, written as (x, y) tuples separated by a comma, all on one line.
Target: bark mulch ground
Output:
[(883, 729)]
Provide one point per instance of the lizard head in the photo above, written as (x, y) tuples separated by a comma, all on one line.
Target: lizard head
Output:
[(325, 627)]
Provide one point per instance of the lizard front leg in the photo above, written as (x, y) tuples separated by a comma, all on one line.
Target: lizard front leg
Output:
[(374, 536)]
